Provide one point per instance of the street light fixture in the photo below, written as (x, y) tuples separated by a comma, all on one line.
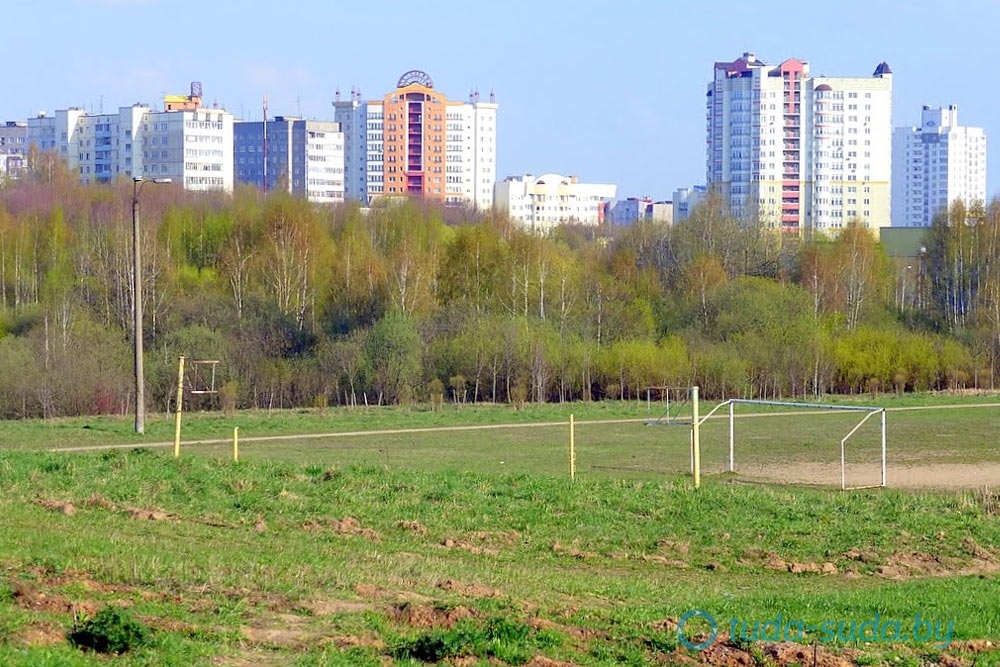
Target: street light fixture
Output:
[(140, 383)]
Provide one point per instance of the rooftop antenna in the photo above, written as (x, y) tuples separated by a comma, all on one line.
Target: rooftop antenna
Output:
[(493, 96), (298, 105), (336, 95)]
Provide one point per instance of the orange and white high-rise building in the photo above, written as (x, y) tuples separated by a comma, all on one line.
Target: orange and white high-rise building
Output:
[(416, 142), (796, 151)]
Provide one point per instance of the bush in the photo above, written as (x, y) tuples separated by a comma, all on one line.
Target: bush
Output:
[(111, 630)]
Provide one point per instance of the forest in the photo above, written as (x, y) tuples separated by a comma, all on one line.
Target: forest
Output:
[(308, 306)]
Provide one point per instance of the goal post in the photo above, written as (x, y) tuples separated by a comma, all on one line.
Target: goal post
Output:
[(869, 412), (198, 379)]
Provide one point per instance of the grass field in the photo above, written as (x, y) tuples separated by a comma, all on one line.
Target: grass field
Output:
[(421, 546)]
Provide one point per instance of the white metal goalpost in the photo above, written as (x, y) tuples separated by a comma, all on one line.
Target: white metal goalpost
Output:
[(697, 421)]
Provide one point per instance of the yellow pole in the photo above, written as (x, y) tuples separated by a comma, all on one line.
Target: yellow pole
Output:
[(180, 403), (695, 440), (236, 444), (572, 448)]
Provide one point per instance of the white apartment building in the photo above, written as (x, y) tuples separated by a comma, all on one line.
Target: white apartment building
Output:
[(543, 202), (13, 149), (306, 157), (685, 200), (797, 151), (193, 146), (934, 165), (416, 142)]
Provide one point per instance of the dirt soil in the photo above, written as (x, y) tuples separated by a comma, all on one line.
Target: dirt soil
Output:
[(908, 476)]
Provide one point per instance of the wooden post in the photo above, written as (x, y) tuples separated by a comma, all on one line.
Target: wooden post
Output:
[(572, 448), (236, 444), (180, 404), (695, 439)]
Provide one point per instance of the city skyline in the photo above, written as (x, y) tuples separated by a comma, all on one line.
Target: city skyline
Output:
[(605, 92)]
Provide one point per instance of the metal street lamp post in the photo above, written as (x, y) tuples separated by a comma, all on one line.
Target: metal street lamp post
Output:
[(140, 383)]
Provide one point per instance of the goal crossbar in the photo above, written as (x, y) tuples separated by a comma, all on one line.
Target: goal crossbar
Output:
[(731, 403)]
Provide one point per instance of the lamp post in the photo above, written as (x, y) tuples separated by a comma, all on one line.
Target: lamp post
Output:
[(140, 383)]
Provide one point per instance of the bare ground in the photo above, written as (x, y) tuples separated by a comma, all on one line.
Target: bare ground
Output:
[(912, 476)]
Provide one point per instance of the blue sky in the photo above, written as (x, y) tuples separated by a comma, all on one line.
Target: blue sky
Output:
[(609, 91)]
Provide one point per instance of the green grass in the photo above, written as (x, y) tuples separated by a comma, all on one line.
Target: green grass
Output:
[(251, 565), (510, 558)]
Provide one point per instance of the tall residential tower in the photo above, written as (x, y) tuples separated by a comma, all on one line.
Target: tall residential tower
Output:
[(415, 141), (934, 165), (800, 152)]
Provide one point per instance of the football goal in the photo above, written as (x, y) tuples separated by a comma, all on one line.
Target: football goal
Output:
[(792, 441)]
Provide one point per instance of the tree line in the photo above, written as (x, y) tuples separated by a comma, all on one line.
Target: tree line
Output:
[(313, 306)]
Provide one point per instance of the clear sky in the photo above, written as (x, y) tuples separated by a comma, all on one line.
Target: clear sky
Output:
[(609, 91)]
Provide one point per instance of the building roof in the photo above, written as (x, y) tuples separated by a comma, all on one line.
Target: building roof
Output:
[(883, 68)]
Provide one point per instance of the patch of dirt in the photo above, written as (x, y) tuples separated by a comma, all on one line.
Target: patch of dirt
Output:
[(542, 661), (97, 501), (58, 506), (919, 564), (787, 653), (507, 538), (155, 514), (413, 526), (920, 475), (663, 560), (353, 641), (857, 554), (283, 637), (724, 653), (426, 616), (972, 645), (33, 599), (41, 634), (477, 549), (975, 550), (573, 550), (346, 526), (370, 590), (472, 590), (679, 548)]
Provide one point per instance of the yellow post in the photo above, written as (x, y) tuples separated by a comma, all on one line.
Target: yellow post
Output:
[(695, 443), (572, 448), (180, 403), (236, 444)]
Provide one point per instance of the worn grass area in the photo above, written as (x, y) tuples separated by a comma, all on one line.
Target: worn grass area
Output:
[(306, 563)]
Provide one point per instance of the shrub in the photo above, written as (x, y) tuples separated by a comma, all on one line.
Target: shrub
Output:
[(111, 630)]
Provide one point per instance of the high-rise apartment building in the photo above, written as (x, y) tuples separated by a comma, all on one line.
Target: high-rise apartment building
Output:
[(416, 142), (191, 145), (306, 157), (797, 151), (934, 165)]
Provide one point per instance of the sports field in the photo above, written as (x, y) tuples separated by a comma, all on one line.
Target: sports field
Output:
[(941, 443), (330, 543)]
